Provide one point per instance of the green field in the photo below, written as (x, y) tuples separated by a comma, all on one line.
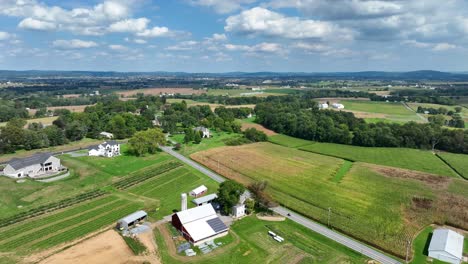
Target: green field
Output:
[(412, 159), (375, 204), (255, 246), (458, 161), (217, 139), (377, 107), (288, 141), (167, 188)]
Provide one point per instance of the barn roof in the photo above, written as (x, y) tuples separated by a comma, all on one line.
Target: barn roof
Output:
[(38, 158), (199, 189), (201, 222), (448, 241), (206, 198), (196, 213), (132, 217)]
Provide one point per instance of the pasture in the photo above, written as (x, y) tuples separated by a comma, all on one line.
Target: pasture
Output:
[(252, 244), (383, 111), (217, 139), (458, 161), (380, 205)]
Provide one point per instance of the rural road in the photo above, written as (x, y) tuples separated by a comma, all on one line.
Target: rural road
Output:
[(343, 240), (418, 114)]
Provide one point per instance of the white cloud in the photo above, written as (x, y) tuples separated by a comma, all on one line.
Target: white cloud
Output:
[(73, 44), (263, 22), (263, 47), (219, 37), (5, 35), (443, 47), (416, 44), (183, 46), (117, 47), (130, 25), (139, 41), (222, 6), (154, 32), (311, 47), (34, 24)]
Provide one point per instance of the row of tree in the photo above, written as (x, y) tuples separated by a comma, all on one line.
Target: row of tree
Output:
[(300, 117)]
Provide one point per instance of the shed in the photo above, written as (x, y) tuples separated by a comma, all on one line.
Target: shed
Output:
[(131, 220), (205, 199), (238, 210), (446, 245), (199, 191)]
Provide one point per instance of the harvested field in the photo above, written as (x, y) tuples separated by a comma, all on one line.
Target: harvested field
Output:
[(259, 127), (72, 108), (158, 91), (107, 247), (374, 204)]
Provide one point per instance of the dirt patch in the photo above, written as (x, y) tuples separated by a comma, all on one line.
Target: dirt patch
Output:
[(259, 127), (271, 218), (422, 202), (72, 108), (158, 91), (431, 180), (107, 247)]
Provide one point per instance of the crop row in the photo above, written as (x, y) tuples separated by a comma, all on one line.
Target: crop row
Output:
[(154, 183), (145, 175), (38, 234), (86, 228), (50, 207), (178, 183), (30, 225)]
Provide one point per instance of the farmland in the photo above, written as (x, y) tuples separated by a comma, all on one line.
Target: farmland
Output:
[(158, 91), (47, 121), (458, 161), (253, 245), (218, 139), (305, 183)]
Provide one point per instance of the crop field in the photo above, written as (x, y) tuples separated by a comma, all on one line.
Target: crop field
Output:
[(288, 141), (412, 159), (252, 244), (47, 121), (458, 161), (72, 108), (167, 187), (380, 205), (158, 91), (217, 139), (66, 225)]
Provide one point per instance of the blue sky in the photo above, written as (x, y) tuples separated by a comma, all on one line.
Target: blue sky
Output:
[(236, 35)]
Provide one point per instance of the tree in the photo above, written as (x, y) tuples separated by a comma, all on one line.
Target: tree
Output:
[(189, 135), (229, 193), (147, 141), (55, 135), (437, 120), (255, 135), (197, 138), (458, 109)]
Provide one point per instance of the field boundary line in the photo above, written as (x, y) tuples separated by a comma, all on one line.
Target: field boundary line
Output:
[(330, 155), (450, 166)]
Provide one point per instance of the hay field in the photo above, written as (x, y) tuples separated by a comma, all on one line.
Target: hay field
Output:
[(158, 91), (383, 206)]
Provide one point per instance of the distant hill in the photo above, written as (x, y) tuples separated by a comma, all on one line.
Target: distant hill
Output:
[(365, 75)]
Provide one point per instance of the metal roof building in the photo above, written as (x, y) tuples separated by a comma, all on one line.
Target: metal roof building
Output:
[(199, 191), (446, 245), (204, 199), (199, 224), (131, 219)]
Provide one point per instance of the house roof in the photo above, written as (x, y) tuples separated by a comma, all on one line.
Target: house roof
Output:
[(132, 217), (199, 189), (204, 199), (38, 158), (201, 222), (448, 241), (111, 142), (96, 147)]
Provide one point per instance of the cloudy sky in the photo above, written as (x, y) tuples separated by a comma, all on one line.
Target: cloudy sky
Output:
[(235, 35)]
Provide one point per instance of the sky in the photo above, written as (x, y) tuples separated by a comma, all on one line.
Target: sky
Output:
[(235, 35)]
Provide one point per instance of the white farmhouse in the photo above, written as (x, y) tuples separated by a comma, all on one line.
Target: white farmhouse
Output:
[(107, 149), (204, 130), (338, 106), (446, 245), (39, 164)]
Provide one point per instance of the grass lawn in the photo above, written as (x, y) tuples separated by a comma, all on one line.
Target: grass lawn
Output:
[(412, 159), (458, 161), (217, 139), (376, 204), (254, 245)]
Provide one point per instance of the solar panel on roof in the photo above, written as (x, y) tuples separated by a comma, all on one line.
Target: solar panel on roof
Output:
[(216, 224)]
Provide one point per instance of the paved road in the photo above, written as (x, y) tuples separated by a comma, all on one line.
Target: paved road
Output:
[(345, 241)]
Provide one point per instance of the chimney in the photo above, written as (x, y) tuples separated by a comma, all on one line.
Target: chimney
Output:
[(183, 198)]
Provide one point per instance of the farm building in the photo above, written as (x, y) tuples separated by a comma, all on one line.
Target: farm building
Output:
[(205, 199), (323, 106), (446, 245), (238, 210), (131, 220), (205, 131), (199, 224), (338, 106), (106, 135), (199, 191), (107, 149), (39, 164)]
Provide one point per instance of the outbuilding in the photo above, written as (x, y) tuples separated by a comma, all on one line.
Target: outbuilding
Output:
[(199, 191), (131, 220), (205, 199), (446, 245)]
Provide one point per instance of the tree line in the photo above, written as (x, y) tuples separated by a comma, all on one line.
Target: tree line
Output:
[(300, 117)]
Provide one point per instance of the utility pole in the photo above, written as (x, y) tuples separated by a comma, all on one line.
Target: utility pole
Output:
[(408, 246), (329, 212)]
